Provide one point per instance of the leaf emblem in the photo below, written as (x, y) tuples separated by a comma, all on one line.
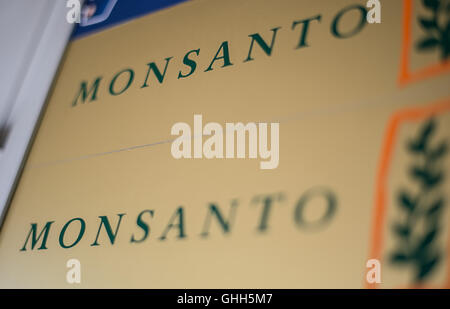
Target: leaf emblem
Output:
[(419, 249), (436, 27)]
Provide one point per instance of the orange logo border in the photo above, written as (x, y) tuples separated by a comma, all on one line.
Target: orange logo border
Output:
[(407, 76), (379, 211)]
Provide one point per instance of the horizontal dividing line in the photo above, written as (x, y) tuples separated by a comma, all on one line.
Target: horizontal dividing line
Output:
[(319, 112), (93, 155)]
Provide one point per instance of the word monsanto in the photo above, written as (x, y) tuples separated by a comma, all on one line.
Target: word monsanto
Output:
[(177, 224), (186, 66)]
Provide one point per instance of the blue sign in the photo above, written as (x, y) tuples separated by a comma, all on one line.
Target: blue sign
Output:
[(97, 15)]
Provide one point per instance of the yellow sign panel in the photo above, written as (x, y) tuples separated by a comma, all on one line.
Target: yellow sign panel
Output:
[(363, 111)]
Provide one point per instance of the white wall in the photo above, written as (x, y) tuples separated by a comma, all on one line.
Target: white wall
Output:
[(33, 36)]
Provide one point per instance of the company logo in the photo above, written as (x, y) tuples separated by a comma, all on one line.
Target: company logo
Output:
[(213, 147), (96, 232), (410, 233), (225, 57), (436, 25), (426, 40)]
